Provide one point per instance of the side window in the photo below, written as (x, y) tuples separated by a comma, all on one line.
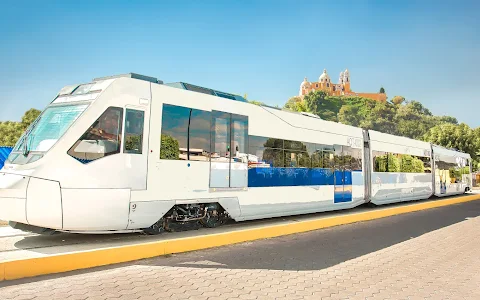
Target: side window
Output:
[(133, 131), (103, 138), (274, 157), (174, 132), (185, 133), (379, 161), (427, 167), (356, 159), (328, 159), (403, 163), (199, 135), (296, 159)]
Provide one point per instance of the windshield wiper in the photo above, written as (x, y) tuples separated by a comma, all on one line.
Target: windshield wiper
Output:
[(26, 138)]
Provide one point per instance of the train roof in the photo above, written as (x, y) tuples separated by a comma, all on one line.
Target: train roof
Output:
[(398, 140), (204, 90), (450, 152)]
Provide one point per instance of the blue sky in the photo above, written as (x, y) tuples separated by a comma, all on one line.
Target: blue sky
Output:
[(424, 50)]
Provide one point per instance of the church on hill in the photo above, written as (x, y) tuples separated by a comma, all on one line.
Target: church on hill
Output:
[(342, 88)]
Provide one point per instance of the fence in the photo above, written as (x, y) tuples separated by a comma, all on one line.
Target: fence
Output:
[(4, 152)]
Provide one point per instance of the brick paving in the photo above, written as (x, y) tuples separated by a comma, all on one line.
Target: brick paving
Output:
[(441, 264)]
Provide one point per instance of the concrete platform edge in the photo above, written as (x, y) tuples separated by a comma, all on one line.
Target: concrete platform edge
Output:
[(16, 269)]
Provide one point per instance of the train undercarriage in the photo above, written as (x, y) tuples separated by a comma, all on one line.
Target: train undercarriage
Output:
[(185, 217)]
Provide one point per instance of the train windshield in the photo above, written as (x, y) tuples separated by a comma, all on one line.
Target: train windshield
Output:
[(44, 132)]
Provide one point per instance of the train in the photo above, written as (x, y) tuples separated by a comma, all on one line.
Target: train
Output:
[(129, 153)]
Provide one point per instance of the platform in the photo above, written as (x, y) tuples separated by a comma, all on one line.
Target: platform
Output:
[(25, 255)]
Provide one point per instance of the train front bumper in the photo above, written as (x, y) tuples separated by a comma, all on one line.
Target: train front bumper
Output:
[(13, 197), (30, 200)]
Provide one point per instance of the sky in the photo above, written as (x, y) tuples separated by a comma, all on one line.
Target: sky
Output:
[(427, 51)]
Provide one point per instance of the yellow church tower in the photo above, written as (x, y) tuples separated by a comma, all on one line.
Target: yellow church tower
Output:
[(342, 88)]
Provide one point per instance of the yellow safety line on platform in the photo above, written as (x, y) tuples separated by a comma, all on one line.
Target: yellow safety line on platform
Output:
[(29, 267)]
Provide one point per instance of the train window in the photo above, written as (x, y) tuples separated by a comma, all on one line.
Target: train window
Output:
[(174, 132), (352, 158), (316, 158), (294, 145), (296, 159), (356, 159), (328, 159), (338, 157), (380, 161), (348, 159), (274, 157), (239, 136), (292, 154), (199, 135), (103, 138), (274, 143), (185, 133), (133, 137), (221, 129), (452, 169), (427, 166), (257, 141), (403, 163)]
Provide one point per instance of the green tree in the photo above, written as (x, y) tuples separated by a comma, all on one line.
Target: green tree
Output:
[(256, 102), (418, 107), (29, 116), (397, 100), (382, 90), (349, 115), (325, 107), (296, 104), (445, 119), (418, 166), (411, 122), (393, 163), (381, 163), (133, 143), (274, 157), (460, 137), (169, 148), (406, 164), (10, 132)]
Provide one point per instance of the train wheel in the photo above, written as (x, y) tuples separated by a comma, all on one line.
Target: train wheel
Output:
[(156, 228), (215, 216)]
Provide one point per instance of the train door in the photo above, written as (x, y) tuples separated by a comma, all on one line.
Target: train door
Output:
[(135, 147), (342, 175), (228, 163)]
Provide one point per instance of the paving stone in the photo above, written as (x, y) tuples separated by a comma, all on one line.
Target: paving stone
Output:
[(441, 264)]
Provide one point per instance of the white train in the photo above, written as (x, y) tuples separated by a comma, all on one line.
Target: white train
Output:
[(127, 153)]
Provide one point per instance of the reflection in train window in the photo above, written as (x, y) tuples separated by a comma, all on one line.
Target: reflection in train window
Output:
[(133, 135), (185, 133), (403, 163), (450, 169), (272, 152), (102, 139)]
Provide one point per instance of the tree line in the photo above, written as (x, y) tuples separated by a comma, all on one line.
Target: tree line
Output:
[(398, 116), (10, 131)]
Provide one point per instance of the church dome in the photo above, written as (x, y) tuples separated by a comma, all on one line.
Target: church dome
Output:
[(305, 83), (324, 77)]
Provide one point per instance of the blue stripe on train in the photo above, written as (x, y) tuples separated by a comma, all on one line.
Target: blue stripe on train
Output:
[(265, 177), (342, 196)]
